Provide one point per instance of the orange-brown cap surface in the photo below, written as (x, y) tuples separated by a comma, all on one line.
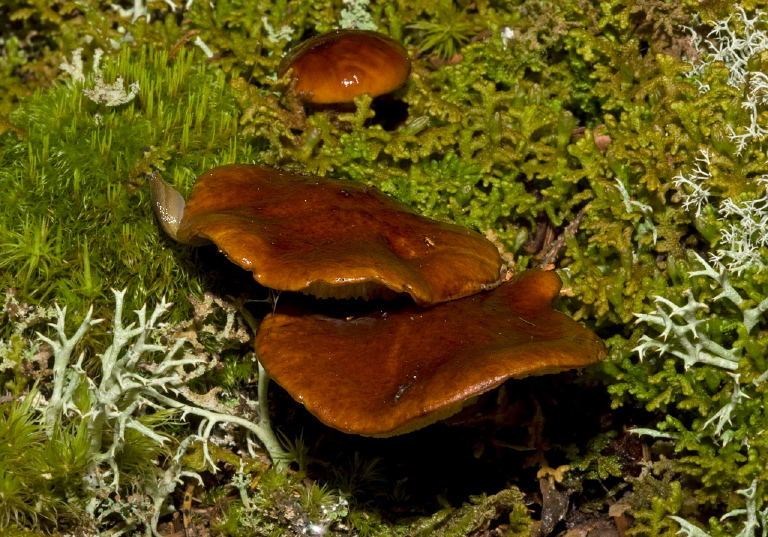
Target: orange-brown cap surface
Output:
[(391, 372), (338, 66), (333, 238)]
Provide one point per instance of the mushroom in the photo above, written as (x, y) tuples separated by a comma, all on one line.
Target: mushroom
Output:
[(327, 237), (392, 371), (338, 66)]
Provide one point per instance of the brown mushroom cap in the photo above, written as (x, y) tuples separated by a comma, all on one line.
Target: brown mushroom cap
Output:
[(338, 66), (333, 238), (387, 373)]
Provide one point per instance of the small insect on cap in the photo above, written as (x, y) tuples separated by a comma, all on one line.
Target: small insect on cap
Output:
[(338, 66), (392, 371)]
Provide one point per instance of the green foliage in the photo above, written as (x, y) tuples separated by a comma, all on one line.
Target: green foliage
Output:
[(707, 324), (446, 29), (22, 483), (596, 464), (576, 117), (656, 519), (477, 514), (77, 219)]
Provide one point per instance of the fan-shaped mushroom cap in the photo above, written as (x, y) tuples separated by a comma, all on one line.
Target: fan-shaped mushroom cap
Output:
[(391, 372), (338, 66), (333, 238)]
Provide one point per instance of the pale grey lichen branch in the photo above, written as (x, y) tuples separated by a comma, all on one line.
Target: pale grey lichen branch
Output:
[(356, 15), (732, 41), (63, 347), (262, 430), (695, 194), (161, 489), (284, 33), (132, 380), (657, 434), (679, 325), (752, 315), (756, 99), (688, 529), (723, 416), (75, 68), (681, 335), (720, 419), (199, 43), (744, 235), (687, 342), (507, 34), (755, 520), (139, 9)]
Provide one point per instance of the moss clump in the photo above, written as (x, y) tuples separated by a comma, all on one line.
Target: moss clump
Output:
[(77, 177), (602, 139)]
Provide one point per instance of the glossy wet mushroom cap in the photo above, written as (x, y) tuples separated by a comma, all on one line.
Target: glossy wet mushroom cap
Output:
[(393, 371), (333, 238), (338, 66)]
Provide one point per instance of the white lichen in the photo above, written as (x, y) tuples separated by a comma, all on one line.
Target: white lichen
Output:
[(734, 42), (507, 34), (17, 347), (113, 94), (356, 15), (202, 46), (723, 416), (750, 316), (284, 33), (74, 69), (693, 186), (139, 375), (680, 335), (140, 9), (744, 236), (757, 98)]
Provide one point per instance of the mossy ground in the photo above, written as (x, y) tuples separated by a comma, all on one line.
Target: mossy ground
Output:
[(563, 128)]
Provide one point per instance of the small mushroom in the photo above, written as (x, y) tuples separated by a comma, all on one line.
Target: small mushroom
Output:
[(338, 66), (327, 237), (391, 372)]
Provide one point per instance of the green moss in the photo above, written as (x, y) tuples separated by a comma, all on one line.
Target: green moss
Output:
[(78, 179), (14, 531), (475, 515), (509, 110)]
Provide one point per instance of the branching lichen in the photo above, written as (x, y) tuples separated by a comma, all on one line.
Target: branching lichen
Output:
[(134, 385), (682, 337)]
